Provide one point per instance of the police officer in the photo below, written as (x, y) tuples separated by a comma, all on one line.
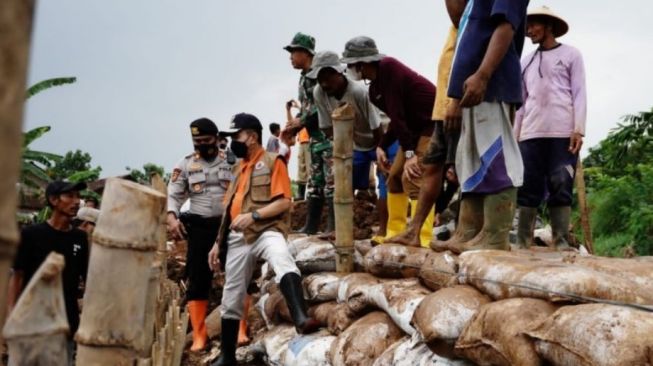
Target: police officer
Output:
[(202, 177)]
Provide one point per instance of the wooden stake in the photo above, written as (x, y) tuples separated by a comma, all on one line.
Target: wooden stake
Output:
[(583, 207), (343, 198)]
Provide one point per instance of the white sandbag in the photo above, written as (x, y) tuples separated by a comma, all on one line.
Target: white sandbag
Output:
[(363, 246), (442, 316), (322, 286), (364, 341), (313, 255), (395, 261), (352, 287), (310, 350), (273, 309), (412, 352), (275, 343), (596, 335), (439, 270), (637, 269), (495, 336), (398, 298), (503, 275)]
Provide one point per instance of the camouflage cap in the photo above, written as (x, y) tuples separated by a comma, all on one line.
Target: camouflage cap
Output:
[(303, 41), (325, 59), (361, 49)]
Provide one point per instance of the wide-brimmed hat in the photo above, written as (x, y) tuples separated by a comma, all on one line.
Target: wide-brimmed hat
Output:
[(560, 26), (302, 41), (361, 49), (323, 60)]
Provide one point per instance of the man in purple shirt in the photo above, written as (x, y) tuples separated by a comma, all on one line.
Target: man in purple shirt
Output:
[(407, 98), (485, 77), (549, 126)]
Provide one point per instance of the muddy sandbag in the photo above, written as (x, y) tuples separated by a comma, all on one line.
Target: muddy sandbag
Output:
[(313, 255), (504, 275), (341, 318), (322, 286), (322, 312), (310, 350), (273, 309), (213, 323), (597, 335), (364, 341), (495, 336), (275, 343), (439, 270), (398, 298), (441, 317), (635, 269), (411, 352), (363, 246), (352, 287), (395, 261)]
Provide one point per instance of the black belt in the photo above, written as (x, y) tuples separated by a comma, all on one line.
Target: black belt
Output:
[(194, 220)]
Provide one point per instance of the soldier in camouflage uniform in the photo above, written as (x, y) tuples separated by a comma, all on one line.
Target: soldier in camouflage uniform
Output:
[(203, 177), (321, 184)]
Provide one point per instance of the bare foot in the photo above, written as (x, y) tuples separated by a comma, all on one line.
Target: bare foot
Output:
[(409, 238)]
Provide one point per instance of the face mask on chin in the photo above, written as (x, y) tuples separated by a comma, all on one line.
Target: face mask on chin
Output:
[(354, 74)]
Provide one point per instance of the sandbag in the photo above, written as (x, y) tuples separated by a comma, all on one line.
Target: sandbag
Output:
[(398, 298), (441, 317), (596, 335), (363, 246), (412, 352), (340, 319), (322, 312), (322, 286), (313, 255), (275, 343), (273, 309), (495, 336), (395, 261), (637, 270), (503, 275), (439, 270), (364, 341), (309, 350), (352, 287)]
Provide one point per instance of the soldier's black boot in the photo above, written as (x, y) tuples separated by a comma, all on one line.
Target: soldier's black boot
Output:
[(313, 215), (293, 292), (228, 340), (301, 192)]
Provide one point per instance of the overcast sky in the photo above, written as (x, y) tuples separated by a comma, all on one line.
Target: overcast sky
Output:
[(147, 68)]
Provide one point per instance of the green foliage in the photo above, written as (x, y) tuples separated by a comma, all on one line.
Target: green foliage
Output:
[(47, 84), (36, 163), (620, 188), (143, 176), (75, 166)]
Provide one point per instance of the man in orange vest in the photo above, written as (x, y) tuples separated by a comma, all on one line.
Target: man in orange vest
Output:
[(255, 226)]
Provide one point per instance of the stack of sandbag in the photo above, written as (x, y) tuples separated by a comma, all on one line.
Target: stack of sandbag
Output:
[(395, 261), (309, 350), (411, 352), (503, 275), (439, 270), (313, 255)]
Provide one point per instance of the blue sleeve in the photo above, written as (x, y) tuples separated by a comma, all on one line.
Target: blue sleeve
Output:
[(512, 11)]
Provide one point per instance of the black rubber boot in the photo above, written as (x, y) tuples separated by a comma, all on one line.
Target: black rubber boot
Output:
[(313, 216), (293, 292), (228, 341), (330, 231)]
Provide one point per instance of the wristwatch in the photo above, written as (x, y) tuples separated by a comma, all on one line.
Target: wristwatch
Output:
[(409, 154), (256, 216)]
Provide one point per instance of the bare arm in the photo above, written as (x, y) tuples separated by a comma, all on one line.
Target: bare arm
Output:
[(455, 8)]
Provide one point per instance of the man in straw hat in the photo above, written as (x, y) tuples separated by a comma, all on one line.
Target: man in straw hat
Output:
[(407, 98), (485, 77), (550, 126)]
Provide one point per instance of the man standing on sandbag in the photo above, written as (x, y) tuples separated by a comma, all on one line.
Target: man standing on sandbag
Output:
[(335, 88), (486, 79), (255, 226), (320, 187), (202, 177), (407, 98), (550, 126)]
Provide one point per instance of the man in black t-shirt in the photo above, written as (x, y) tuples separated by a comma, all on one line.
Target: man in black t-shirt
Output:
[(56, 234)]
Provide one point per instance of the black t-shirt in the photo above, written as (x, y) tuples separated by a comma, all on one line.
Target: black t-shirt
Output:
[(37, 241)]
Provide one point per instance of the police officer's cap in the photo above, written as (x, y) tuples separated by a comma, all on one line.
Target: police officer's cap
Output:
[(203, 126), (243, 121)]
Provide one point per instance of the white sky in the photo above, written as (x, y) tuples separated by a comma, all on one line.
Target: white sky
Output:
[(147, 68)]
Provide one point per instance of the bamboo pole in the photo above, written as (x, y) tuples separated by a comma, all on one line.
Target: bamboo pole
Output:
[(16, 25), (113, 322), (343, 198), (36, 330), (584, 209)]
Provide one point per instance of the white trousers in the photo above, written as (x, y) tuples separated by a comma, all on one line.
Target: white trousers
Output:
[(272, 247)]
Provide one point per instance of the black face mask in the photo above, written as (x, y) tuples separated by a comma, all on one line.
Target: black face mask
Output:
[(206, 151), (223, 146), (239, 149)]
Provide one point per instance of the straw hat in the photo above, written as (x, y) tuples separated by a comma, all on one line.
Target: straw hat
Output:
[(560, 26)]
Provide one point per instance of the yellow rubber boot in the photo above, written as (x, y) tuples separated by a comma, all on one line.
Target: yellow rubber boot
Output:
[(426, 232), (397, 211), (197, 312)]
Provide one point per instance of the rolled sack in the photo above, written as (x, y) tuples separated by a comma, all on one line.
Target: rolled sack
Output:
[(495, 335), (395, 261)]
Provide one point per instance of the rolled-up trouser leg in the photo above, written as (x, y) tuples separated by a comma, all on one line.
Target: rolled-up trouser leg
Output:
[(200, 241), (240, 266)]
